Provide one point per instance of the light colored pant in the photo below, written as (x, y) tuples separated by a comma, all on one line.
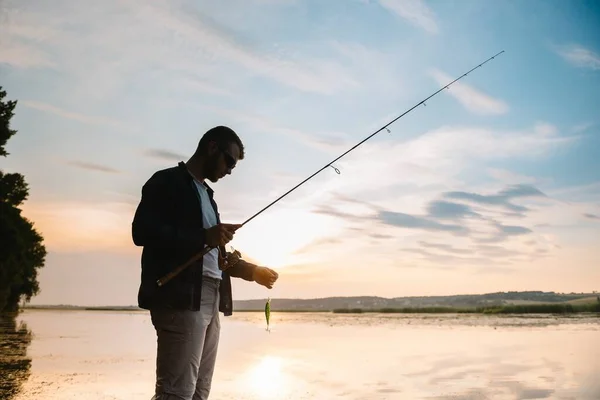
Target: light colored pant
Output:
[(187, 343)]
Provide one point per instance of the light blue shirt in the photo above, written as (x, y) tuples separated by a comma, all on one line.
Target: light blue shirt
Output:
[(209, 219)]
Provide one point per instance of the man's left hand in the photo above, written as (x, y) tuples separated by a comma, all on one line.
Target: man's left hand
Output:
[(265, 276)]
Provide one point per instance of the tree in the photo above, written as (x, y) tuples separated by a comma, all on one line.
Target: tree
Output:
[(22, 252)]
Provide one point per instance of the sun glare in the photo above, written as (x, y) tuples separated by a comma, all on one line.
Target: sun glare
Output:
[(273, 239), (266, 379)]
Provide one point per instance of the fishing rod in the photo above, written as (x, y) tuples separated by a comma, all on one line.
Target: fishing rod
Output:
[(201, 254)]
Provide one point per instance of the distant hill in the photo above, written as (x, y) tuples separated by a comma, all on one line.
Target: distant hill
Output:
[(374, 302), (455, 301)]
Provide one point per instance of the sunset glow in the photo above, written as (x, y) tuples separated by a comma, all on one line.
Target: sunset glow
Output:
[(492, 185)]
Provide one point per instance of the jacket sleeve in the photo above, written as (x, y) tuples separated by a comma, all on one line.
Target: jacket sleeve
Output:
[(242, 269), (151, 224)]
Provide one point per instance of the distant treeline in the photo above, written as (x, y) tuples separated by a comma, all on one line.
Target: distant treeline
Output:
[(564, 308)]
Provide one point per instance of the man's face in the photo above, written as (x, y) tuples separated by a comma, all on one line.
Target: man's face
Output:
[(222, 160)]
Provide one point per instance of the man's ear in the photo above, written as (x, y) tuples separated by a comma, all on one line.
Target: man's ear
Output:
[(212, 148)]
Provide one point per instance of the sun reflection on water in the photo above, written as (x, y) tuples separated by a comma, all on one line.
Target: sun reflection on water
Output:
[(266, 379)]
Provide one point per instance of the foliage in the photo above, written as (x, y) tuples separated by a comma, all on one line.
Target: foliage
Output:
[(22, 252), (6, 113), (550, 308)]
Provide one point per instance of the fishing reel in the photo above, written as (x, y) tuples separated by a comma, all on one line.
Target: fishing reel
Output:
[(228, 259)]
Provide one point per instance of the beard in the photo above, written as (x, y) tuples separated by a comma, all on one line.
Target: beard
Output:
[(212, 169)]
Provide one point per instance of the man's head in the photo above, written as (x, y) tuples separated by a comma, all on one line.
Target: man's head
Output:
[(219, 150)]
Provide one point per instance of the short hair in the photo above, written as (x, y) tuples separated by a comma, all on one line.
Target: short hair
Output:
[(223, 135)]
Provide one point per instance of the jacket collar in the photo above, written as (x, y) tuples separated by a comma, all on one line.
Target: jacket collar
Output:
[(182, 167)]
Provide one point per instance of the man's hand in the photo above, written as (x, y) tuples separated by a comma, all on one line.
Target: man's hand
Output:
[(221, 234), (265, 276)]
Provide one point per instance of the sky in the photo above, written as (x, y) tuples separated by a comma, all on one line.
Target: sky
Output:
[(492, 185)]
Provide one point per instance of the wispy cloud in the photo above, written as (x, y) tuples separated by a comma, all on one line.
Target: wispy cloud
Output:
[(23, 56), (579, 56), (582, 127), (591, 216), (330, 141), (414, 11), (93, 167), (418, 222), (472, 99), (502, 199), (445, 247), (478, 229), (318, 244), (208, 54), (219, 45), (86, 119), (436, 158), (445, 260), (502, 233), (448, 210), (162, 154), (509, 177)]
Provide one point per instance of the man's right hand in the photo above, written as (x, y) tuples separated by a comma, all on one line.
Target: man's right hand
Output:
[(220, 234)]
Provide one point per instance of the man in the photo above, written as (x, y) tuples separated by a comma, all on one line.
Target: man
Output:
[(175, 219)]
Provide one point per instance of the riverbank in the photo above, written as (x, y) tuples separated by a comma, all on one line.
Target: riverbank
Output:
[(548, 308), (503, 309)]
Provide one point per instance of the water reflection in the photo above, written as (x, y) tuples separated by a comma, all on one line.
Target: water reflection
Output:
[(265, 379), (14, 364), (105, 355)]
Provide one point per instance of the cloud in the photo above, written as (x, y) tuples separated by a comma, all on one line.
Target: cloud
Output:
[(503, 232), (579, 56), (162, 154), (582, 127), (496, 251), (333, 212), (328, 141), (172, 37), (445, 247), (93, 167), (472, 99), (221, 46), (591, 216), (86, 119), (403, 220), (448, 210), (318, 245), (436, 158), (23, 56), (510, 177), (502, 198), (444, 260), (380, 236), (414, 11), (513, 230), (477, 230)]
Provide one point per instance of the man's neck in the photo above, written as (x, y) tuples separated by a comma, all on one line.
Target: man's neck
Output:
[(196, 169)]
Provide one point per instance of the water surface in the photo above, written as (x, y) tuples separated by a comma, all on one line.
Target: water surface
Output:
[(110, 355)]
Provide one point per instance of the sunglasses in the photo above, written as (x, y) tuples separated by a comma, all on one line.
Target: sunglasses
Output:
[(229, 160)]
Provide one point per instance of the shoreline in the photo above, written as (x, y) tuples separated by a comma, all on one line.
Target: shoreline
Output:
[(496, 309)]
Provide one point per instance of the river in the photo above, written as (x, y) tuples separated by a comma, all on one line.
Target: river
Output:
[(105, 355)]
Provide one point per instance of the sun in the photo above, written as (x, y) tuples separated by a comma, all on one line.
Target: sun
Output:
[(274, 239)]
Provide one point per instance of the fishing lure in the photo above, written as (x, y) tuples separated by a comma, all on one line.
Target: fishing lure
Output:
[(178, 270), (268, 313)]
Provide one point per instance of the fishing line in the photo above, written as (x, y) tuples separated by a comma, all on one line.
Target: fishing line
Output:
[(195, 258)]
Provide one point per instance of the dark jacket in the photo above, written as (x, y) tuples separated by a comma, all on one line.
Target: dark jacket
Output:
[(168, 224)]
